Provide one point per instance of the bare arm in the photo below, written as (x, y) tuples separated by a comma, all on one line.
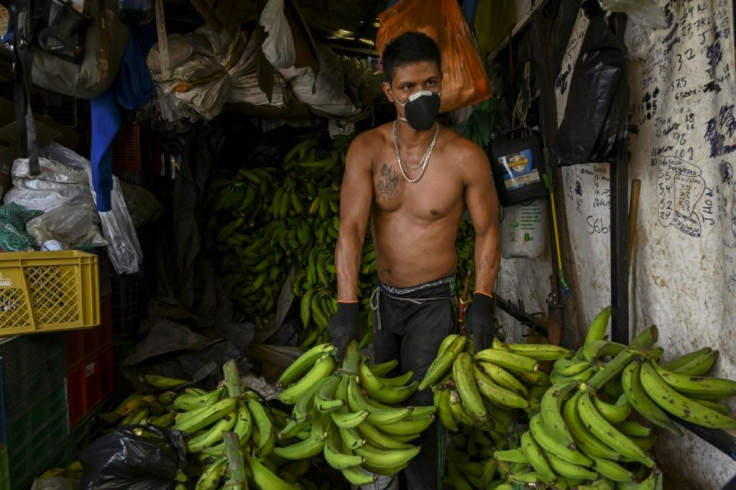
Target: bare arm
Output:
[(482, 203), (356, 195)]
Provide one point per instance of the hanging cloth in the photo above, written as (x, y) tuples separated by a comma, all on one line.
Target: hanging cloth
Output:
[(131, 89)]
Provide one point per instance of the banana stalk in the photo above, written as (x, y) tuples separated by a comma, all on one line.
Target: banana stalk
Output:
[(645, 339), (238, 477)]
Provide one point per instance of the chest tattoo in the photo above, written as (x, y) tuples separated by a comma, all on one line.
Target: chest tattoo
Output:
[(388, 181)]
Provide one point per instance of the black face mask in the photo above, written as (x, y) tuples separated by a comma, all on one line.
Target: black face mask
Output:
[(421, 109)]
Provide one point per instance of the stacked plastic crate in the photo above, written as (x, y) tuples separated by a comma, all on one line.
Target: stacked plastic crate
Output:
[(36, 417), (4, 465), (136, 159), (90, 367), (40, 292)]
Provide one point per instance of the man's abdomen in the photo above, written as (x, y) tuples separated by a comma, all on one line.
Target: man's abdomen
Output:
[(410, 255)]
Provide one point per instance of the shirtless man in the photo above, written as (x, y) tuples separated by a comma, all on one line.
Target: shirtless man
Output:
[(414, 180)]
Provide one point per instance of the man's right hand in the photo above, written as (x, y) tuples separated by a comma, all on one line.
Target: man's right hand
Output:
[(345, 326)]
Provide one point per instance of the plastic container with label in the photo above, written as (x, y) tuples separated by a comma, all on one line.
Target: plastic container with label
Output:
[(516, 164)]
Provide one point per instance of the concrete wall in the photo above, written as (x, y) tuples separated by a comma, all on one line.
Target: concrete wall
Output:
[(683, 271)]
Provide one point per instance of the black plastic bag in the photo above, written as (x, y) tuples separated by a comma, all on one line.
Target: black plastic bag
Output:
[(595, 125), (121, 459)]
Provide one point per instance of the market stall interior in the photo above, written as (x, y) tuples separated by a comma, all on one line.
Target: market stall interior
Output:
[(173, 241)]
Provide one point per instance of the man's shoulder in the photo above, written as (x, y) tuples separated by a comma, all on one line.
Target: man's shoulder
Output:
[(373, 135), (367, 146), (370, 141), (462, 147)]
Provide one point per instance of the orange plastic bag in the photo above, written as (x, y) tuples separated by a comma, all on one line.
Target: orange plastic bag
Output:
[(464, 78)]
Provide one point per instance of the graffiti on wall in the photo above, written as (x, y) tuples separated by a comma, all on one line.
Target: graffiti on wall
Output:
[(685, 201), (687, 92)]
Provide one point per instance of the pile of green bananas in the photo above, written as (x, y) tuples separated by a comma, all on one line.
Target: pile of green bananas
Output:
[(205, 416), (479, 389), (470, 462), (588, 417), (352, 415), (265, 222), (137, 408), (592, 427)]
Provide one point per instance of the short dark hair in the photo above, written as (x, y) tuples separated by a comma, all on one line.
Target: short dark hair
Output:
[(409, 47)]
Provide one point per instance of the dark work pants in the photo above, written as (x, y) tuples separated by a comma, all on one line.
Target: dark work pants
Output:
[(408, 325)]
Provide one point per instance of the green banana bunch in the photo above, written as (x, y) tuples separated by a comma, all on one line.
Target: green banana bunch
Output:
[(304, 363), (577, 437), (213, 435), (160, 382), (243, 429), (696, 363), (470, 462), (212, 475), (192, 400), (581, 432), (474, 389), (137, 416), (353, 415), (498, 354), (129, 408), (321, 368), (265, 477), (540, 352), (206, 415), (598, 327), (263, 435), (679, 395), (607, 433), (266, 222)]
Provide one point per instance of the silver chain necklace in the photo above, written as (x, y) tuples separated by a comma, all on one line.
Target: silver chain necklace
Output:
[(422, 167)]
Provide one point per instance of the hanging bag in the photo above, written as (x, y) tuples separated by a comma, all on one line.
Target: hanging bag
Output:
[(595, 125), (77, 53), (63, 50), (464, 78)]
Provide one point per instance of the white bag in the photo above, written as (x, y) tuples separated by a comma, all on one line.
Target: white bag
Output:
[(523, 230), (327, 92), (278, 47)]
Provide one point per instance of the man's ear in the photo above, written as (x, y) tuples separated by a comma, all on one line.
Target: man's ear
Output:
[(387, 91)]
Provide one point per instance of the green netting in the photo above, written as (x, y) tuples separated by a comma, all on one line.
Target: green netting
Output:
[(13, 236)]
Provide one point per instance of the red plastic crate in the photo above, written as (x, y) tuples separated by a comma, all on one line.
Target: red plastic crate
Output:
[(126, 149), (85, 345), (135, 151), (89, 385)]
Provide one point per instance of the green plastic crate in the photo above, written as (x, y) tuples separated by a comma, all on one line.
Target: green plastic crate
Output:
[(39, 438), (4, 468), (3, 436), (33, 365)]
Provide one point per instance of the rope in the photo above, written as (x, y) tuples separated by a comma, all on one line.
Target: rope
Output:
[(376, 302), (13, 235)]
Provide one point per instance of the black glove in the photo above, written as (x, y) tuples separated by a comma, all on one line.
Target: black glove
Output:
[(479, 323), (344, 326)]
